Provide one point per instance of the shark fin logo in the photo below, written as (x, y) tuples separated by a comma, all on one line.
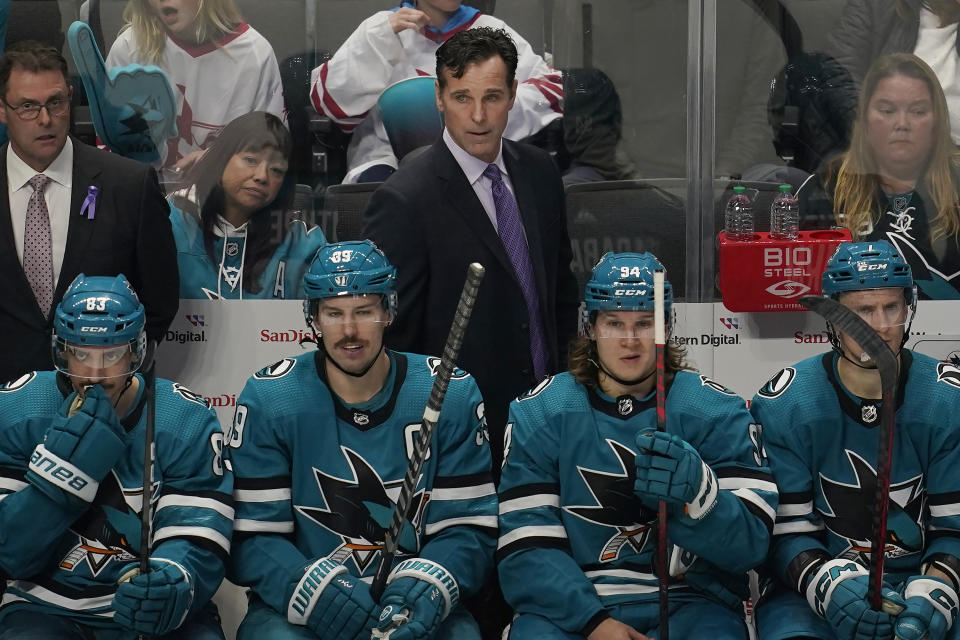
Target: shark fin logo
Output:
[(779, 383), (948, 373), (852, 507), (617, 507), (359, 510), (433, 363), (276, 370)]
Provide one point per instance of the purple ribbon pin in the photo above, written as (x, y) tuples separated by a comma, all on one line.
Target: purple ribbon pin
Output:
[(90, 203)]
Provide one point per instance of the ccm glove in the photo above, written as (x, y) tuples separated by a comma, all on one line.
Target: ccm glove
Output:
[(330, 602), (669, 469), (78, 452), (838, 593), (419, 595), (154, 603), (931, 609)]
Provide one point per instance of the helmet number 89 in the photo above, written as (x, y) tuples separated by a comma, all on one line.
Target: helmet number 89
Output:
[(627, 272), (97, 304), (341, 256)]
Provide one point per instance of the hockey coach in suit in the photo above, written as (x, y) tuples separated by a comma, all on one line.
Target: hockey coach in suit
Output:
[(65, 209), (476, 197)]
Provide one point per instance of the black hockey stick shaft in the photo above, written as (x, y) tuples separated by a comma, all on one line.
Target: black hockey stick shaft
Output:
[(430, 416), (146, 512), (845, 320), (663, 565)]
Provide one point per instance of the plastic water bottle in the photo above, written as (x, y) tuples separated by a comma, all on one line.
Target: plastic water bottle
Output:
[(785, 215), (738, 221)]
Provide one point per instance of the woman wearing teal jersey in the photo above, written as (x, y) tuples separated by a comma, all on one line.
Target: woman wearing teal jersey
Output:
[(225, 224)]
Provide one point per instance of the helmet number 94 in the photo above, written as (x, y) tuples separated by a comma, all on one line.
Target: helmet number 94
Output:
[(97, 304), (630, 272), (343, 255)]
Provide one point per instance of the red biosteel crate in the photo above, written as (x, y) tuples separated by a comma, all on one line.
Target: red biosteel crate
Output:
[(770, 275)]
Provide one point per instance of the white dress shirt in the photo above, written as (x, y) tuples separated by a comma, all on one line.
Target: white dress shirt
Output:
[(57, 196), (473, 168), (937, 46)]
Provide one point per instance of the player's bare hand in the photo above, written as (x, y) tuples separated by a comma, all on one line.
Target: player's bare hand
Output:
[(407, 18), (611, 629)]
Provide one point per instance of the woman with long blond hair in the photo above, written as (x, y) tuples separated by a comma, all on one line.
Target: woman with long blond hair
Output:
[(218, 65), (900, 179)]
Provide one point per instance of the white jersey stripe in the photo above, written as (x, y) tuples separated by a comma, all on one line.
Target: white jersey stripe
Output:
[(747, 483), (174, 500), (627, 589), (795, 527), (753, 498), (261, 495), (551, 531), (944, 510), (463, 493), (804, 509), (530, 502), (40, 593), (10, 484), (620, 573), (262, 526)]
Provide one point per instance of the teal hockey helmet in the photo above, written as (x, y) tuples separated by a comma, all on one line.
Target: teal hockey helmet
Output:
[(856, 266), (351, 268), (624, 282), (99, 312)]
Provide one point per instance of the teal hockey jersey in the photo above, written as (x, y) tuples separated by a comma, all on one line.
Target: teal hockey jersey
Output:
[(203, 278), (57, 561), (316, 478), (575, 539), (822, 442)]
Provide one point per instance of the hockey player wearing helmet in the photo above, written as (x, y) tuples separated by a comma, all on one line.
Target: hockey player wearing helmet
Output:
[(320, 445), (820, 418), (71, 472), (585, 469)]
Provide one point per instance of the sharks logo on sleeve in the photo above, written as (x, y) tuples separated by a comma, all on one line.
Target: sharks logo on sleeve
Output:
[(716, 386), (948, 373), (780, 382), (276, 370), (616, 505), (433, 363)]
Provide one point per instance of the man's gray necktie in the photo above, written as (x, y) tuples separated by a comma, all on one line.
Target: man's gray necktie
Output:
[(510, 229), (37, 245)]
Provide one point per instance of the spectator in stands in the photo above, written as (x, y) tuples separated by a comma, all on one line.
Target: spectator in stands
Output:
[(900, 179), (219, 66), (390, 46), (926, 28), (224, 226)]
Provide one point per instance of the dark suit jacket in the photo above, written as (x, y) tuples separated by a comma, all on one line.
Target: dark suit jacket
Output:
[(130, 234), (431, 225)]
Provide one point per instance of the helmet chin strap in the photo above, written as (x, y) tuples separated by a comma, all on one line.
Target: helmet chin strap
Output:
[(838, 347)]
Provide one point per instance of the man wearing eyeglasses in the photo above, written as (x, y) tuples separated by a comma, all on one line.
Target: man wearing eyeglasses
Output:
[(71, 209)]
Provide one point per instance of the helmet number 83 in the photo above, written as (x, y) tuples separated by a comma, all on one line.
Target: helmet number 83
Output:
[(627, 272), (97, 304), (341, 256)]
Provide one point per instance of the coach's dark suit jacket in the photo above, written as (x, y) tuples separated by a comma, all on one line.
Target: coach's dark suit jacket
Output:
[(431, 225), (129, 234)]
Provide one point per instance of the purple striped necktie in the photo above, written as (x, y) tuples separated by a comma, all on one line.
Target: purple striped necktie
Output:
[(510, 229), (38, 246)]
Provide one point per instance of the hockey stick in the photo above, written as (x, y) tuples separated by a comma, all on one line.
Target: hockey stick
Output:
[(430, 416), (663, 573), (860, 332)]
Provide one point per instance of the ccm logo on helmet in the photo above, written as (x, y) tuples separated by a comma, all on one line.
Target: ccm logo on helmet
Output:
[(629, 292), (93, 329), (871, 267)]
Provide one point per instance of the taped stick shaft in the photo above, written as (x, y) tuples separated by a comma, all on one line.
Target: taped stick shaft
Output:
[(859, 331), (663, 566), (431, 414)]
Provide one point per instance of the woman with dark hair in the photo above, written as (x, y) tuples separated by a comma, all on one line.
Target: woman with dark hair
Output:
[(227, 244), (900, 179)]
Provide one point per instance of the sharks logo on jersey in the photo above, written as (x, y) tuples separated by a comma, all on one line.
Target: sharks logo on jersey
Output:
[(110, 530), (433, 363), (276, 370), (359, 510), (716, 386), (19, 383), (852, 512), (537, 390), (948, 373), (779, 383), (616, 506)]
